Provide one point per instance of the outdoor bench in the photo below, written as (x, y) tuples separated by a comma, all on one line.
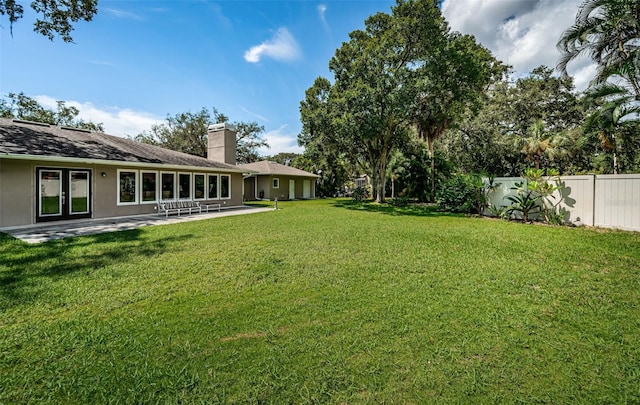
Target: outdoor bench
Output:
[(179, 206), (212, 206)]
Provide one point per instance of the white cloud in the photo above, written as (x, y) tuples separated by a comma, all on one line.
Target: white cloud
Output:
[(117, 121), (584, 75), (256, 115), (521, 33), (282, 47), (281, 141), (221, 19), (123, 14), (102, 63), (322, 9)]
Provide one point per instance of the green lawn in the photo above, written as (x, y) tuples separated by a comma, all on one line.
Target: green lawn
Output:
[(323, 302)]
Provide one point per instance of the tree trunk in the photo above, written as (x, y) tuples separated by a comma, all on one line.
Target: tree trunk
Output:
[(393, 188), (432, 194), (380, 177)]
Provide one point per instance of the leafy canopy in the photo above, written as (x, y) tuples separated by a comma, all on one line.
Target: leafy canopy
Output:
[(187, 132), (22, 107), (404, 70), (57, 17)]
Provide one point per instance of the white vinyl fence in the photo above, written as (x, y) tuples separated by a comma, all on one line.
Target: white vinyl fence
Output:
[(609, 201)]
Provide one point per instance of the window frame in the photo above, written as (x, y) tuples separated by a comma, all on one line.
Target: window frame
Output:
[(162, 188), (179, 185), (217, 177), (229, 187), (87, 192), (205, 184), (157, 190), (275, 182), (41, 186), (136, 197)]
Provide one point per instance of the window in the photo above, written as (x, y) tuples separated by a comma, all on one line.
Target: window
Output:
[(184, 186), (168, 189), (50, 192), (149, 186), (79, 191), (127, 187), (213, 187), (276, 183), (199, 187), (225, 186)]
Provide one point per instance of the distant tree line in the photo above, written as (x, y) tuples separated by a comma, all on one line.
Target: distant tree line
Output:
[(412, 102), (187, 132), (407, 81), (22, 107), (184, 132)]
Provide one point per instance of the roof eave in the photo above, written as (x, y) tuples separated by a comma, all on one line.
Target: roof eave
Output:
[(63, 159), (310, 175)]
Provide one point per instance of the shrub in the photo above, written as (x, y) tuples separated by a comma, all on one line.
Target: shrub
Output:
[(499, 211), (360, 194), (535, 195), (463, 193), (526, 202), (400, 201)]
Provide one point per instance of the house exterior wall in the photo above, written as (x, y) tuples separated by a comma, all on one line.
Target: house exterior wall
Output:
[(18, 194), (250, 189), (265, 185), (16, 191)]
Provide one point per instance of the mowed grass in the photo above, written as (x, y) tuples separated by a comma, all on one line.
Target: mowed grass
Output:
[(323, 301)]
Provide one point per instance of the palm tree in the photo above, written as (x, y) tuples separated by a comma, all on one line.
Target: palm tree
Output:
[(608, 31), (534, 146), (542, 144), (616, 109)]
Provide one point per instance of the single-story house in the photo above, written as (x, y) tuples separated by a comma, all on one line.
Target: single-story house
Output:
[(50, 173), (273, 180)]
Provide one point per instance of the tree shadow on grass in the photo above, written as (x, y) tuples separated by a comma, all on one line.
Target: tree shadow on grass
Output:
[(260, 204), (24, 267), (416, 210)]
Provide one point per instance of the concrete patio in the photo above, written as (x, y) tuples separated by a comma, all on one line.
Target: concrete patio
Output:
[(45, 232)]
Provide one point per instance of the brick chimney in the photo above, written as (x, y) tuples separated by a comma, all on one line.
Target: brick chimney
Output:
[(222, 143)]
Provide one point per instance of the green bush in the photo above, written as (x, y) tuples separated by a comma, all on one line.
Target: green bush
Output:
[(360, 194), (400, 201), (535, 195), (499, 211), (462, 193)]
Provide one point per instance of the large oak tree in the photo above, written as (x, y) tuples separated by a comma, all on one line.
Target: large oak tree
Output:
[(404, 72)]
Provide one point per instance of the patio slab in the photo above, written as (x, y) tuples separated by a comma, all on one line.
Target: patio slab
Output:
[(45, 232)]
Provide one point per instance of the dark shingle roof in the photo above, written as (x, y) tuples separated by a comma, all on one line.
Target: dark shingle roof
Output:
[(271, 168), (34, 139)]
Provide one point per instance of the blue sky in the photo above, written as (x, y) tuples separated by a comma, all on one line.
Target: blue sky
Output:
[(138, 61)]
